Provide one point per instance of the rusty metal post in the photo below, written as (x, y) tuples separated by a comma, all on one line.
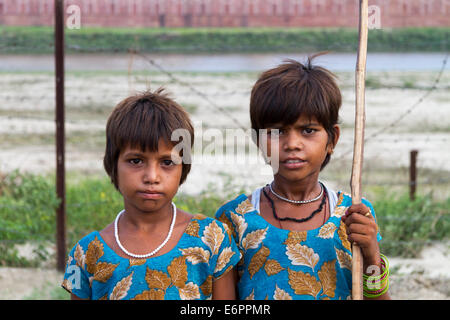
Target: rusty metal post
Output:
[(412, 174), (60, 136)]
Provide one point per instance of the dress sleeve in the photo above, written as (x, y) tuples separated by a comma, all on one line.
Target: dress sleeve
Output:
[(223, 214), (228, 254), (76, 278)]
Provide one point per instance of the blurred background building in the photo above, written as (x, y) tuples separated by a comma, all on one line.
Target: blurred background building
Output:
[(228, 13)]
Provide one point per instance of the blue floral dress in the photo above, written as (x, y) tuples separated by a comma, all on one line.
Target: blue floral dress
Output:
[(284, 265), (203, 254)]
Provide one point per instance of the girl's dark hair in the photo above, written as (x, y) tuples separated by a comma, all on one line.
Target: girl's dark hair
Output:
[(282, 94), (140, 121)]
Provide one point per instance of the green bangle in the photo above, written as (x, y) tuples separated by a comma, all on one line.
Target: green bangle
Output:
[(378, 284), (377, 294), (385, 268)]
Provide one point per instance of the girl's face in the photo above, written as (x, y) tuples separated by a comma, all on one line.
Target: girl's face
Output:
[(302, 146), (148, 181)]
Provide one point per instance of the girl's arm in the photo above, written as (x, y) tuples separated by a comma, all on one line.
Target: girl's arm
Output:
[(224, 288), (362, 229)]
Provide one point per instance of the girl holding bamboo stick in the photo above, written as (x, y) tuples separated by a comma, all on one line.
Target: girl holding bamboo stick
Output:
[(295, 233)]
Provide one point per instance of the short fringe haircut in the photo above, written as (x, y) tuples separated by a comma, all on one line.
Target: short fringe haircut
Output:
[(140, 121), (282, 94)]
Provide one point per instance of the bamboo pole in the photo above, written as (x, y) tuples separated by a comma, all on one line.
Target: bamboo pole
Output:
[(358, 147)]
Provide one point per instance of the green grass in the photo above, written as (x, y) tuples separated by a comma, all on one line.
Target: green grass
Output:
[(39, 40), (28, 202), (48, 291), (407, 226)]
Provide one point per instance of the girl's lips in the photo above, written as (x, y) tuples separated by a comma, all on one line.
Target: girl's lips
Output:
[(293, 164), (150, 195)]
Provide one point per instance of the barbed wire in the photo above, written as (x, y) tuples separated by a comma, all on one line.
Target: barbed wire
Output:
[(174, 77), (192, 88), (403, 115), (413, 106)]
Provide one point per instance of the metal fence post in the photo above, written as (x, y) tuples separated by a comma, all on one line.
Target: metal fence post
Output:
[(60, 136), (412, 174)]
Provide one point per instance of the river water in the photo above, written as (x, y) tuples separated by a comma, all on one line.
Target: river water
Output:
[(221, 62)]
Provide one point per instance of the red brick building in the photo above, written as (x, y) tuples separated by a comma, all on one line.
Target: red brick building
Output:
[(230, 13)]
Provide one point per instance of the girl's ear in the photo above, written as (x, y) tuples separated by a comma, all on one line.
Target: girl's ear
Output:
[(337, 133)]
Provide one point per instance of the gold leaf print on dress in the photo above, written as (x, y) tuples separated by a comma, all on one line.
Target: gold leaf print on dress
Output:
[(301, 255), (244, 207), (240, 224), (94, 252), (303, 283), (251, 296), (226, 222), (228, 231), (193, 228), (178, 271), (295, 237), (253, 239), (157, 279), (345, 259), (67, 285), (153, 294), (189, 292), (327, 230), (224, 258), (327, 276), (121, 289), (79, 256), (206, 286), (213, 237), (196, 255), (280, 294), (104, 271), (199, 216), (341, 198), (258, 260), (272, 267), (136, 262), (339, 211), (342, 232)]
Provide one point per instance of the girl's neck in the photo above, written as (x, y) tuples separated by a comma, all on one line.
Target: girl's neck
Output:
[(297, 190), (146, 221)]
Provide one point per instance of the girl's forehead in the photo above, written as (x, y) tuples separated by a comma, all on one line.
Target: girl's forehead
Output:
[(163, 148), (301, 121)]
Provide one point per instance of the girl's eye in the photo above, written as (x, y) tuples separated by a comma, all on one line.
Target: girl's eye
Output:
[(309, 130), (274, 133), (135, 161), (167, 162)]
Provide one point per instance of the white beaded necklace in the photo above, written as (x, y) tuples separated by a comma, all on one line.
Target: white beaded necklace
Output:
[(142, 256), (297, 201)]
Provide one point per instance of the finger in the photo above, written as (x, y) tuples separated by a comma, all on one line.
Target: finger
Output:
[(358, 218), (361, 225), (359, 208), (356, 228), (362, 240)]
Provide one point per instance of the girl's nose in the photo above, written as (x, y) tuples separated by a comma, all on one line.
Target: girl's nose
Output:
[(151, 174), (293, 141)]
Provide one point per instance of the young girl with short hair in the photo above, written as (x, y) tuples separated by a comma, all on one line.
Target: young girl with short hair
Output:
[(152, 249), (295, 233)]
